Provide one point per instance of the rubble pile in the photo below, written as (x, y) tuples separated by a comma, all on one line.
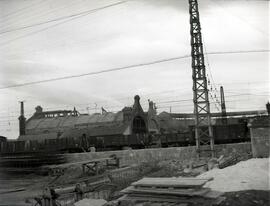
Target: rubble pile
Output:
[(179, 168)]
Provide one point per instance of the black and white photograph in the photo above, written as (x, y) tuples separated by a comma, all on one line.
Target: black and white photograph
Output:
[(134, 103)]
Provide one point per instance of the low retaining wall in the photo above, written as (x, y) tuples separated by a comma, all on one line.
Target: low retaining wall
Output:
[(260, 136), (260, 139), (129, 157)]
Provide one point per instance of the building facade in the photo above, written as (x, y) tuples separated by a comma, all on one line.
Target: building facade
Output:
[(129, 127)]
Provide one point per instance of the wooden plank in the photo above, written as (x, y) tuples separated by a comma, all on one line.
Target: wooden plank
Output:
[(77, 163), (171, 182), (88, 186), (122, 169), (165, 198), (6, 191), (14, 204), (18, 169), (149, 199), (175, 192)]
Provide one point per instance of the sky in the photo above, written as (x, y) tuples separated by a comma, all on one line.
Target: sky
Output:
[(47, 39)]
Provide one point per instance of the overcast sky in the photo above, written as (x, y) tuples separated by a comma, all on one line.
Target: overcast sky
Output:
[(134, 32)]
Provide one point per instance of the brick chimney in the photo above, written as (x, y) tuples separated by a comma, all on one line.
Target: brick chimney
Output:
[(268, 108), (22, 120)]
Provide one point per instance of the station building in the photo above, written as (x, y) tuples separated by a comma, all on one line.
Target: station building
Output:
[(131, 124)]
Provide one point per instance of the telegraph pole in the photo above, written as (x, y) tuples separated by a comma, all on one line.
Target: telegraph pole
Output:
[(203, 127)]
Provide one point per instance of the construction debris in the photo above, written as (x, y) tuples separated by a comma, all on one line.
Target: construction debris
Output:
[(98, 188), (93, 166), (88, 186), (231, 160), (180, 191), (169, 187)]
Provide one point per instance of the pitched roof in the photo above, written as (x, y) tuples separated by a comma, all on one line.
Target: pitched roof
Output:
[(93, 131), (73, 121)]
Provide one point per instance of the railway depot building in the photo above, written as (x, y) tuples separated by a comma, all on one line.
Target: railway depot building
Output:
[(69, 131), (129, 127)]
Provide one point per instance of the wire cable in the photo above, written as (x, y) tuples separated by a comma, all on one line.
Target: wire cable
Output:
[(96, 72), (58, 19), (31, 15), (71, 18), (22, 9), (120, 68)]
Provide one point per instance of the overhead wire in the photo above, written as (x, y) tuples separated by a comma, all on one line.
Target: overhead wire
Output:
[(215, 89), (89, 74), (239, 51), (181, 102), (59, 18), (110, 70), (42, 14), (71, 18), (22, 9), (213, 81), (97, 72), (148, 95)]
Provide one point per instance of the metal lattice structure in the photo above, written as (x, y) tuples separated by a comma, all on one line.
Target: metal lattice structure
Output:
[(203, 127)]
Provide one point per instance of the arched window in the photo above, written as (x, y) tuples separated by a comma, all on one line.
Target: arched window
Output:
[(138, 126)]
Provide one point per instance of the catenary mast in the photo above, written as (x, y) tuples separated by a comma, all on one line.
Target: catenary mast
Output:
[(203, 127)]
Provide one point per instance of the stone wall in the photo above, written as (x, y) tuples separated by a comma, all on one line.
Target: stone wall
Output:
[(260, 141), (129, 157), (260, 136)]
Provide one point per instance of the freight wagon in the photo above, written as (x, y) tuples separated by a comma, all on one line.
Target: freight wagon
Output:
[(81, 143)]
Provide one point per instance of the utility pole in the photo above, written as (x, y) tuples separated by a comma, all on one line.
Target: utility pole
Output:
[(203, 127)]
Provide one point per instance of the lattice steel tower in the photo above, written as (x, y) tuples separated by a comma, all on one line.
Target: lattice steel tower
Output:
[(203, 127)]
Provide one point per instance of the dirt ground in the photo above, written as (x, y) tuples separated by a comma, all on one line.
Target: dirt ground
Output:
[(30, 185), (16, 188), (247, 198), (241, 198)]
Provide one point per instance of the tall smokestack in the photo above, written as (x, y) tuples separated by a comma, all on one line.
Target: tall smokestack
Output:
[(268, 108), (223, 106), (22, 120)]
